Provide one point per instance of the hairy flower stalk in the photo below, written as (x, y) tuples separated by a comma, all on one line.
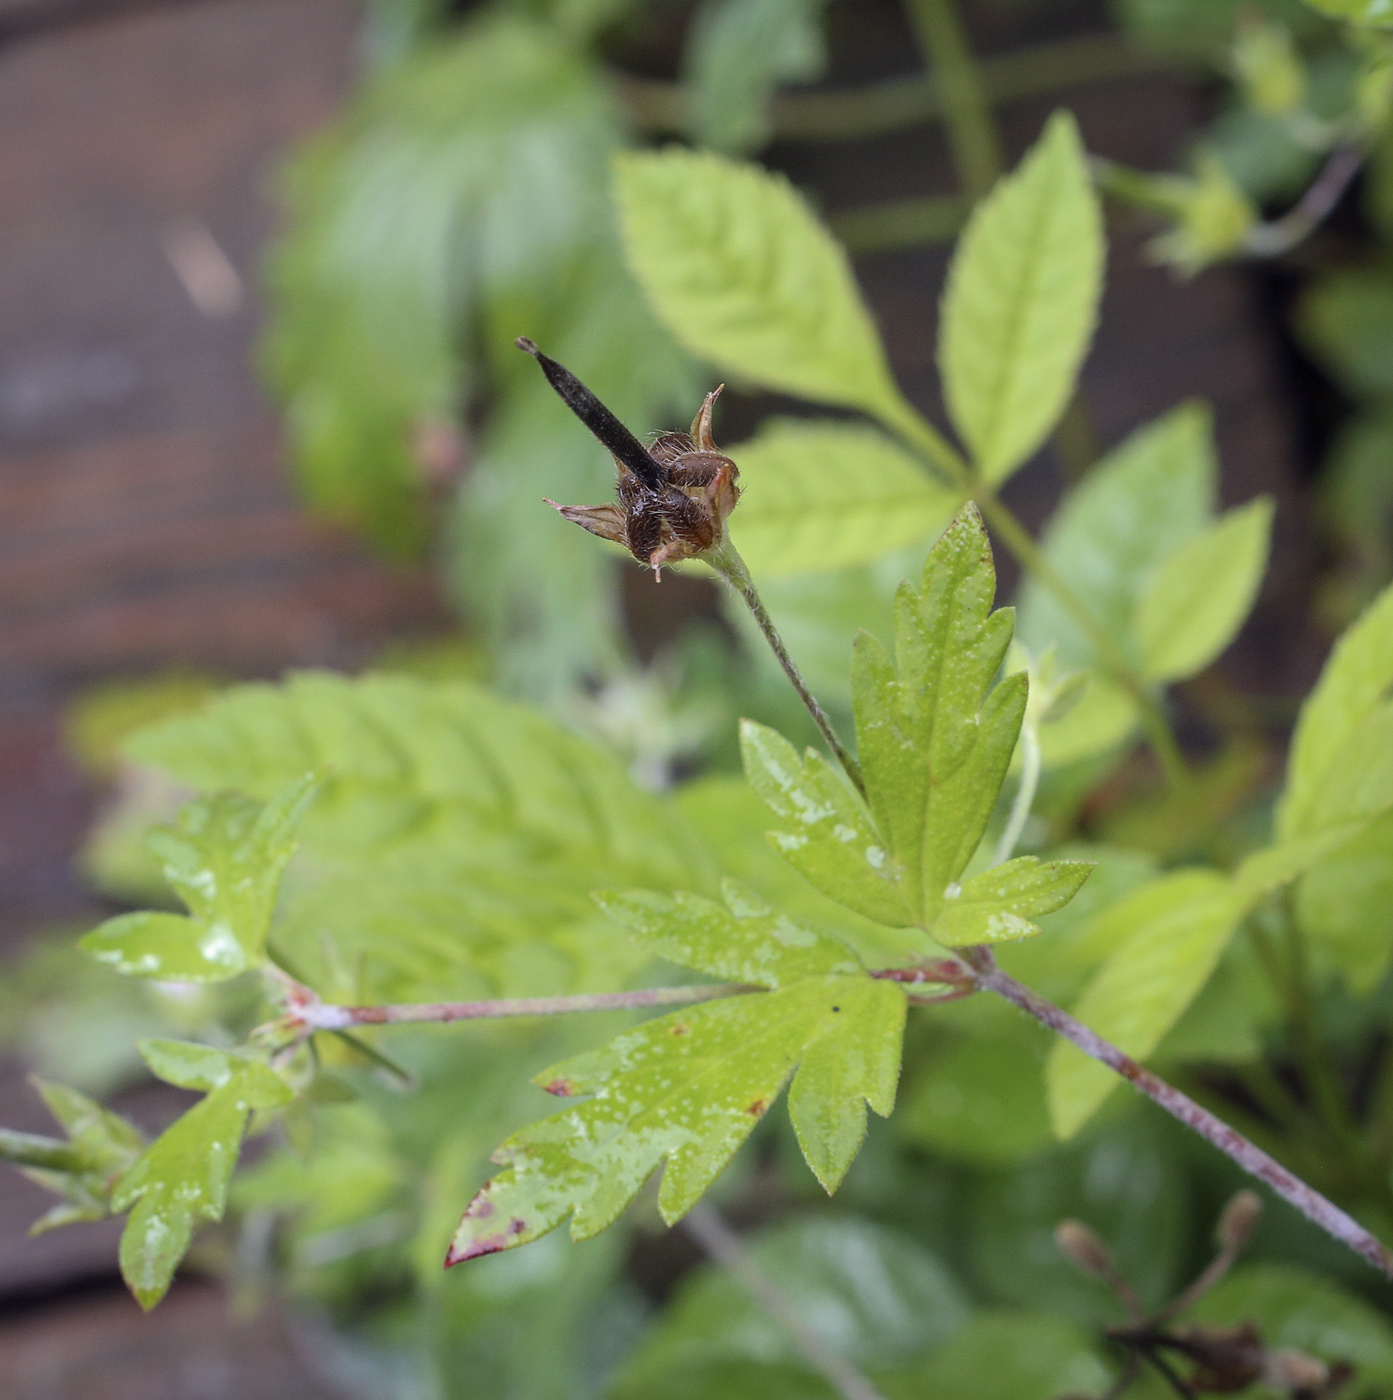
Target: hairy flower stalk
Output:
[(674, 500)]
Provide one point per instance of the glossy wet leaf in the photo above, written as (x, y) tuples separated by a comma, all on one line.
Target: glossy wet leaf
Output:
[(1202, 592), (746, 940), (827, 834), (934, 739), (85, 1167), (687, 1089), (819, 496), (1021, 303), (1340, 753), (224, 858), (1172, 934), (182, 1177), (1000, 904), (742, 272), (1145, 498)]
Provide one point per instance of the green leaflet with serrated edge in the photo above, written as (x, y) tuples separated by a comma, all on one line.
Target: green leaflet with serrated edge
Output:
[(182, 1177), (1021, 303), (999, 904), (224, 858), (833, 842), (741, 271), (934, 742), (687, 1089), (746, 941), (85, 1169)]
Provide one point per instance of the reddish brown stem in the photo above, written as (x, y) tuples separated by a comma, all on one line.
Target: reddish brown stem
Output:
[(321, 1016), (1229, 1141)]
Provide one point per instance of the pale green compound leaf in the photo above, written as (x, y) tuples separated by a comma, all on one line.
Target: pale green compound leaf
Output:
[(1022, 302), (741, 271), (182, 1177), (85, 1168), (224, 858), (1202, 592), (934, 743), (999, 904), (1144, 499), (1342, 734), (821, 496), (688, 1088), (1176, 930), (457, 839), (746, 941), (834, 844), (738, 53)]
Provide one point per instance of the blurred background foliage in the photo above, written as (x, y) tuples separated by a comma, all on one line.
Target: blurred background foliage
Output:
[(464, 197)]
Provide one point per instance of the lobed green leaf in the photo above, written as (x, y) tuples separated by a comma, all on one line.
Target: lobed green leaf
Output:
[(1021, 303), (225, 859), (746, 941), (1000, 903), (182, 1177), (687, 1089)]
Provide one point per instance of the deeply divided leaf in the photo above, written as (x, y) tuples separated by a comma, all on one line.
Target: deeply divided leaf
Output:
[(182, 1177), (1021, 303), (686, 1090), (224, 858)]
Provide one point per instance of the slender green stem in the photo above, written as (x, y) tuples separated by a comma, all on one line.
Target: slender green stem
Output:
[(966, 109), (1154, 723), (1025, 792), (727, 562), (901, 223), (894, 104)]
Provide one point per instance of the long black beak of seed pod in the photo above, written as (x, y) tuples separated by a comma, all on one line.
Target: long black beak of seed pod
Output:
[(621, 443)]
